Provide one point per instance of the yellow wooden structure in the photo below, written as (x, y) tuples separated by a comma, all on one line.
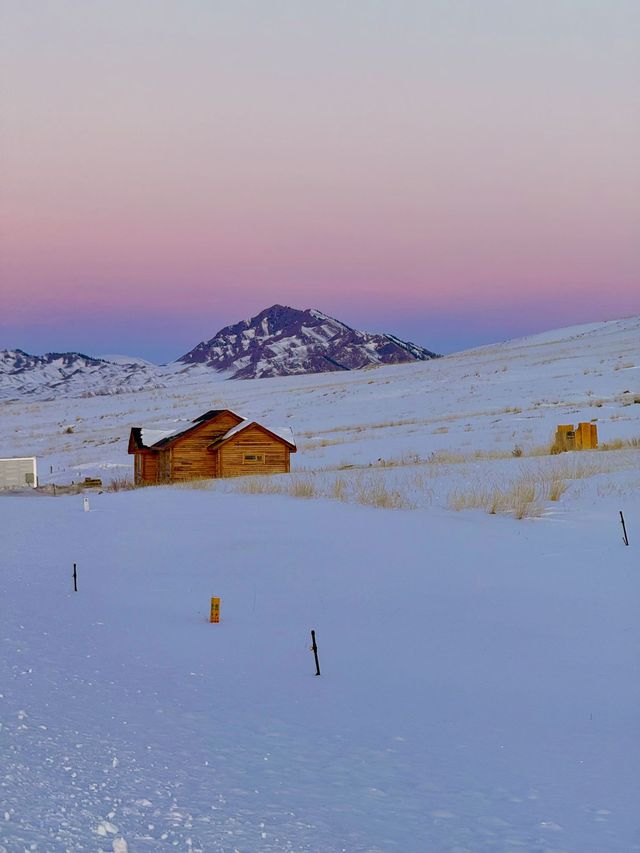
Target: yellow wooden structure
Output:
[(582, 437)]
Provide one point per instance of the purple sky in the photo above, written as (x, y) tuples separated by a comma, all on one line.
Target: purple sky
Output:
[(454, 172)]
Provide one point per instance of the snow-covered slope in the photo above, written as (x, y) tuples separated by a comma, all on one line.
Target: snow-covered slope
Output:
[(282, 341), (479, 673), (127, 359), (71, 374), (485, 399)]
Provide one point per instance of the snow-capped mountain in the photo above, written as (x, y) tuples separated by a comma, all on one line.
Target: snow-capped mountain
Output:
[(277, 342), (70, 374), (281, 341)]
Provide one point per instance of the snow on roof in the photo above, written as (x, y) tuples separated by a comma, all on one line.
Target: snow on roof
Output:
[(149, 437), (238, 428), (285, 433)]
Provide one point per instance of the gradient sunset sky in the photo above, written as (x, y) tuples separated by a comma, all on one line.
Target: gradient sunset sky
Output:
[(452, 171)]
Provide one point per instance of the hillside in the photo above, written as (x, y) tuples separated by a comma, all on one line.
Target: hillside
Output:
[(479, 670), (71, 374), (490, 397)]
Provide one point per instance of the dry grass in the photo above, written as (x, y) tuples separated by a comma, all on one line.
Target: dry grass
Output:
[(522, 498), (203, 484), (373, 491), (366, 490), (438, 457), (578, 466), (303, 487), (339, 489), (526, 495), (357, 428), (314, 444), (620, 444), (557, 486), (120, 484), (295, 485), (256, 486)]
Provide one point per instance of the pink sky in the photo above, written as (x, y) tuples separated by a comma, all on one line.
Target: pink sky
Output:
[(418, 167)]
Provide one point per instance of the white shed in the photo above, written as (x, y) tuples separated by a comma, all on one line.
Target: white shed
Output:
[(19, 472)]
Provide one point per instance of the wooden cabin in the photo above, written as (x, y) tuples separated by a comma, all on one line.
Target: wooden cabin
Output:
[(217, 444)]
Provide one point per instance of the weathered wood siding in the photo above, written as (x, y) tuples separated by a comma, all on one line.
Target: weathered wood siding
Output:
[(253, 441), (190, 456), (145, 468), (164, 465), (150, 467)]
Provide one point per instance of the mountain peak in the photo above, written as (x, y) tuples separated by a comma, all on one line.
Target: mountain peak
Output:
[(281, 341)]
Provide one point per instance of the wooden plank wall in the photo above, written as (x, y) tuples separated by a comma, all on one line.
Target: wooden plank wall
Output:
[(149, 467), (253, 441), (190, 457), (586, 436)]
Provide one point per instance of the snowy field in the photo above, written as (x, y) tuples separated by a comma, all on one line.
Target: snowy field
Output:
[(480, 685)]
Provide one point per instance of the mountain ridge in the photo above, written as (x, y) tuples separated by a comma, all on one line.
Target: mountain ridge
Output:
[(284, 341), (279, 341)]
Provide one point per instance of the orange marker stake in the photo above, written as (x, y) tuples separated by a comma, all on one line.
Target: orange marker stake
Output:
[(215, 610)]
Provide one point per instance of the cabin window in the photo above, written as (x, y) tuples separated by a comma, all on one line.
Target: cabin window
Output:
[(252, 458)]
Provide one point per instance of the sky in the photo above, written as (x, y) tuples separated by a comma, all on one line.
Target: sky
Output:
[(452, 171)]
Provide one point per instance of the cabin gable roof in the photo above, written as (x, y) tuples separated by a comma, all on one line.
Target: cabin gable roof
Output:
[(280, 435), (142, 439), (135, 440)]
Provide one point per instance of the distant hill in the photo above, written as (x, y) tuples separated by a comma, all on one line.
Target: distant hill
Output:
[(127, 359), (69, 374)]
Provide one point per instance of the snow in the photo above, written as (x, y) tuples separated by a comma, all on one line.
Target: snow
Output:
[(283, 432), (479, 686), (236, 429), (149, 437), (127, 359)]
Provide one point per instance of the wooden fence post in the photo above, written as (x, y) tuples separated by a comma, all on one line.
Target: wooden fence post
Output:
[(314, 649), (625, 538)]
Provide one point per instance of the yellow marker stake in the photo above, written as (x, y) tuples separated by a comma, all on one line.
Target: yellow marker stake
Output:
[(215, 610)]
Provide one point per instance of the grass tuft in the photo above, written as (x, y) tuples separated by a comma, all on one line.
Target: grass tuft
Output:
[(120, 484)]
